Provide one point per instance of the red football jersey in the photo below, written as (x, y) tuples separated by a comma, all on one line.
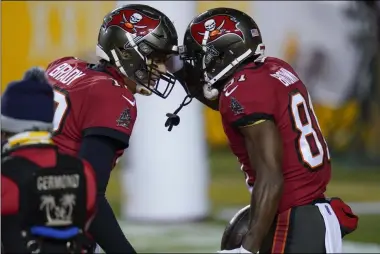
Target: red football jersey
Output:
[(273, 91), (89, 102)]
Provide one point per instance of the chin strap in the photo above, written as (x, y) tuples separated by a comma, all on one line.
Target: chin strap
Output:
[(173, 118)]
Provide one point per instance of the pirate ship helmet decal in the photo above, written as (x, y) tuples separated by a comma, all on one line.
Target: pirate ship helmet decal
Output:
[(213, 28), (132, 22)]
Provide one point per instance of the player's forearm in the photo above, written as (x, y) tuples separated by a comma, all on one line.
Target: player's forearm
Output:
[(265, 198), (106, 230)]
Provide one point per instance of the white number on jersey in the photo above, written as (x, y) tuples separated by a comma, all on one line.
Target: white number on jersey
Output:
[(61, 107), (232, 81), (312, 156)]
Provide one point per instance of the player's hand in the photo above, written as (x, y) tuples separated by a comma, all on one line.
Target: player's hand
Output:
[(237, 250), (230, 251)]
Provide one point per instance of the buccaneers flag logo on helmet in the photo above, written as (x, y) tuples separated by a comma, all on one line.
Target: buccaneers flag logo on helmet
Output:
[(132, 22), (214, 27)]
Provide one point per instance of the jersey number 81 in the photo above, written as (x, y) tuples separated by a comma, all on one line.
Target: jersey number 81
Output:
[(310, 140)]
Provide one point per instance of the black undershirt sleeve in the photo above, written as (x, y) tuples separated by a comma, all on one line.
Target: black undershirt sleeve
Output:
[(100, 152)]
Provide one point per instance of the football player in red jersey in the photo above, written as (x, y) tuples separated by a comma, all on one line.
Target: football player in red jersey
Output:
[(95, 104), (268, 118)]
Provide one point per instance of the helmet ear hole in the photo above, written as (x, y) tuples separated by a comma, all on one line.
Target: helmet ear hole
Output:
[(125, 54), (145, 49), (219, 59)]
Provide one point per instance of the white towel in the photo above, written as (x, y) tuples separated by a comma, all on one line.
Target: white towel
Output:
[(333, 236)]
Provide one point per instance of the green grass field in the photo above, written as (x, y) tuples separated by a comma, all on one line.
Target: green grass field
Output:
[(227, 189), (368, 230), (196, 238)]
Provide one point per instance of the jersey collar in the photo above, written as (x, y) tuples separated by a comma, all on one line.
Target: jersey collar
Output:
[(110, 70)]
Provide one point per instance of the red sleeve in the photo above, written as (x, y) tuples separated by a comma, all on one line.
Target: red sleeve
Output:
[(246, 102), (91, 188), (110, 111)]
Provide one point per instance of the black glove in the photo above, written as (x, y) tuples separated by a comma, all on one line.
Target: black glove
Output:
[(173, 120)]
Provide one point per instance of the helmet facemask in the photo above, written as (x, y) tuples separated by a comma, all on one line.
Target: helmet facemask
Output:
[(149, 74), (206, 60), (159, 80), (218, 65), (152, 74)]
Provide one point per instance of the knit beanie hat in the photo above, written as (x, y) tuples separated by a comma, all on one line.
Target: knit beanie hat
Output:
[(28, 104)]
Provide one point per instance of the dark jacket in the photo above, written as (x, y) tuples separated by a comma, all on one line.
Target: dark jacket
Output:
[(45, 195)]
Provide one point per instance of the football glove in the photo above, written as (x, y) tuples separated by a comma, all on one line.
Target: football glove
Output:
[(237, 250)]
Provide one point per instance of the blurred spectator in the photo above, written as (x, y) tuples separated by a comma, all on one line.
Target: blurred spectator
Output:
[(42, 211)]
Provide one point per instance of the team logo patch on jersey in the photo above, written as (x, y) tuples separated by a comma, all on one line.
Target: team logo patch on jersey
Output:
[(215, 27), (236, 107), (124, 119), (132, 22), (58, 213)]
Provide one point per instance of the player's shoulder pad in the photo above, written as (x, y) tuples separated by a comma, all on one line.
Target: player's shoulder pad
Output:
[(61, 60), (243, 81), (279, 70), (265, 75), (103, 82), (250, 74), (107, 88)]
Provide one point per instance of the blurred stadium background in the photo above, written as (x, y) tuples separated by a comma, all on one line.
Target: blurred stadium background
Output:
[(334, 45)]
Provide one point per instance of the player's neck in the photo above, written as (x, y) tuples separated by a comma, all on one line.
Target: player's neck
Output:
[(130, 85), (103, 66)]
